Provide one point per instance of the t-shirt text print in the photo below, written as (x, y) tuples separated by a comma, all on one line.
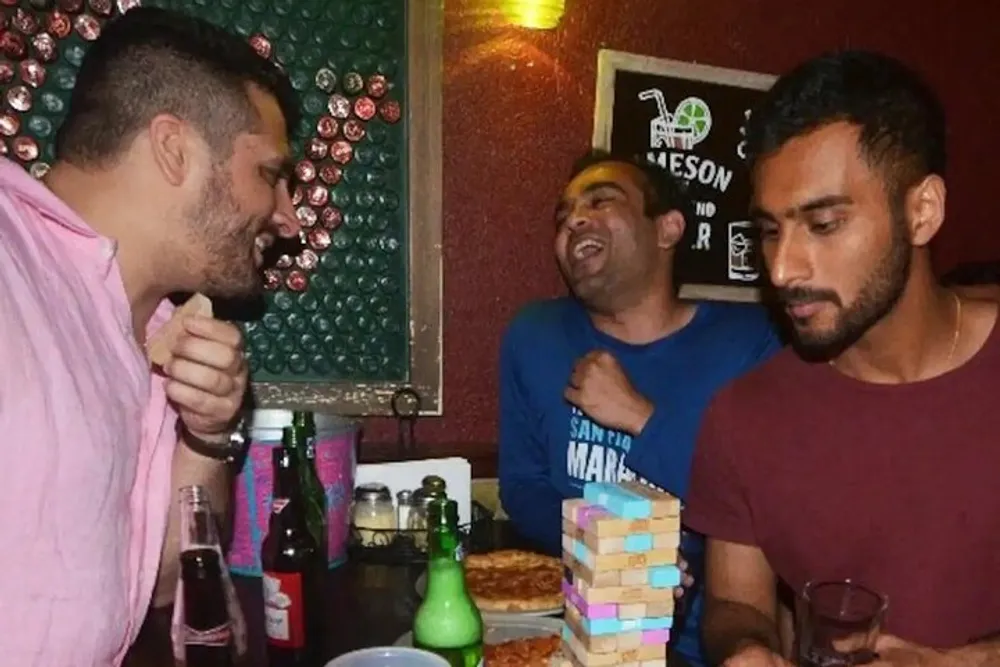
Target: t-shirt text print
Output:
[(596, 453)]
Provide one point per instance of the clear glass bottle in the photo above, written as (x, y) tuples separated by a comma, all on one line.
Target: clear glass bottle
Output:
[(404, 503), (208, 627), (417, 520)]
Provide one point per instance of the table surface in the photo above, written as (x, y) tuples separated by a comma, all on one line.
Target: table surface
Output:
[(366, 605)]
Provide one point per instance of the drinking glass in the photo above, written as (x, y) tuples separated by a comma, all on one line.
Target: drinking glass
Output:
[(838, 623), (388, 656)]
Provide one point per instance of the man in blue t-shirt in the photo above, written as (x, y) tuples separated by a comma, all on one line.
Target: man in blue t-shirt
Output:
[(611, 383)]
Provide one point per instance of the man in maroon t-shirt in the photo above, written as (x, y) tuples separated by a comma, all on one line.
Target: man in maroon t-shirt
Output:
[(870, 450)]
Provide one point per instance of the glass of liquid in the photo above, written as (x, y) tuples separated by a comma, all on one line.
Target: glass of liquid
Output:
[(839, 623)]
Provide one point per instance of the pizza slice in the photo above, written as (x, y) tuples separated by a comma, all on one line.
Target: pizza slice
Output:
[(514, 581)]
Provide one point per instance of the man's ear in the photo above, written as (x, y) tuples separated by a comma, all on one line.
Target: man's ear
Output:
[(169, 143), (669, 229), (925, 204)]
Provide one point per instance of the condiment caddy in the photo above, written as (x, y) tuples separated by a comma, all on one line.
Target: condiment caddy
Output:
[(391, 527)]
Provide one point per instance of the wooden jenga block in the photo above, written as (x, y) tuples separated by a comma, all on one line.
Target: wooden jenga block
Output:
[(662, 504), (637, 577), (602, 643), (660, 609), (573, 647), (594, 578), (663, 576), (632, 610), (623, 561), (601, 545), (629, 641), (618, 500), (666, 540), (571, 507), (624, 594), (573, 599), (608, 526)]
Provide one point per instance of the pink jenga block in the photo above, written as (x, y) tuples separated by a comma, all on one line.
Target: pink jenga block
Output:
[(655, 637), (571, 508), (587, 513), (588, 610)]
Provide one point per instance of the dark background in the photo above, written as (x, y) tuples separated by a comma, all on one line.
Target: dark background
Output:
[(518, 108)]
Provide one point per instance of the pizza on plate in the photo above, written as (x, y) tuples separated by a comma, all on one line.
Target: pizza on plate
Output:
[(527, 652), (514, 581)]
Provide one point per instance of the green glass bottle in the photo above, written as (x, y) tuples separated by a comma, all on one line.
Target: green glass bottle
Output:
[(313, 495), (448, 622)]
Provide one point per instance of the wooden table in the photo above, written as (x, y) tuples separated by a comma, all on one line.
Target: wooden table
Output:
[(366, 605)]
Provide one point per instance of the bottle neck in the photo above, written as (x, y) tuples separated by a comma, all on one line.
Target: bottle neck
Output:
[(286, 477), (445, 574), (305, 423), (198, 527), (444, 544)]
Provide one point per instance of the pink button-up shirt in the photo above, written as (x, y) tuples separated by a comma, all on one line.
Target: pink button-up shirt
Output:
[(88, 439)]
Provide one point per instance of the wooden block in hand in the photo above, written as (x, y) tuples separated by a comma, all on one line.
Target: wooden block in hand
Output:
[(158, 347)]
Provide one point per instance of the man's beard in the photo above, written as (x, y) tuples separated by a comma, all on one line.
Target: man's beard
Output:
[(877, 298), (597, 293), (605, 292), (227, 246)]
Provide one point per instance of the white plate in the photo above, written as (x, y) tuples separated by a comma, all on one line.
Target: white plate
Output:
[(421, 588), (498, 629)]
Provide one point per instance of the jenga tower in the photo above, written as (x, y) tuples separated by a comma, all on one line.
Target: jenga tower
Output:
[(620, 542)]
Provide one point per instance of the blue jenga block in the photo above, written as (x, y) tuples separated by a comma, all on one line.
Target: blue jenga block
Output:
[(664, 576), (620, 502), (638, 542)]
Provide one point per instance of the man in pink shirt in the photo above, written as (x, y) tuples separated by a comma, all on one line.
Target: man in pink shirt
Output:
[(170, 165)]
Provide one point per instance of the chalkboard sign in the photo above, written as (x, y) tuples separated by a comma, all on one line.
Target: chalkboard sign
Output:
[(348, 318), (689, 119)]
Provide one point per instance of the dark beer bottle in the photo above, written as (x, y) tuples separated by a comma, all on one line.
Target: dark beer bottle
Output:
[(313, 494), (292, 568), (207, 627)]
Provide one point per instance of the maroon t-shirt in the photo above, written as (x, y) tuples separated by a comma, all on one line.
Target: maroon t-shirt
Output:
[(894, 486)]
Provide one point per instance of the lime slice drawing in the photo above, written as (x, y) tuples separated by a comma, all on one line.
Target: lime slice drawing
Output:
[(693, 116)]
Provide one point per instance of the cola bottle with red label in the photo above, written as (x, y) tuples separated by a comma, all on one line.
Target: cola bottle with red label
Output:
[(292, 565), (207, 628), (208, 625)]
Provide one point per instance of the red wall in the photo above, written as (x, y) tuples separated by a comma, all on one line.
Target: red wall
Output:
[(518, 107)]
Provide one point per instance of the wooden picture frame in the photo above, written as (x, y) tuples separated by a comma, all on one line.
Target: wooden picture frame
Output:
[(425, 30), (609, 64)]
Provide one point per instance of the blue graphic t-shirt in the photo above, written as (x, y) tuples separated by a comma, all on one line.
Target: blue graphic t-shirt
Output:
[(549, 449)]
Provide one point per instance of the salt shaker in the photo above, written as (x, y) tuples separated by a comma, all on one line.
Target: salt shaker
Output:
[(404, 503)]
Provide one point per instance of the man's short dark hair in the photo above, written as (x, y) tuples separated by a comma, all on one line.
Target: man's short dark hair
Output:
[(901, 120), (151, 61), (973, 273), (662, 191)]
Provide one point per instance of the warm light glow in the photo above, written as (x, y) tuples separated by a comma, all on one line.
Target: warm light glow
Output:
[(540, 14)]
